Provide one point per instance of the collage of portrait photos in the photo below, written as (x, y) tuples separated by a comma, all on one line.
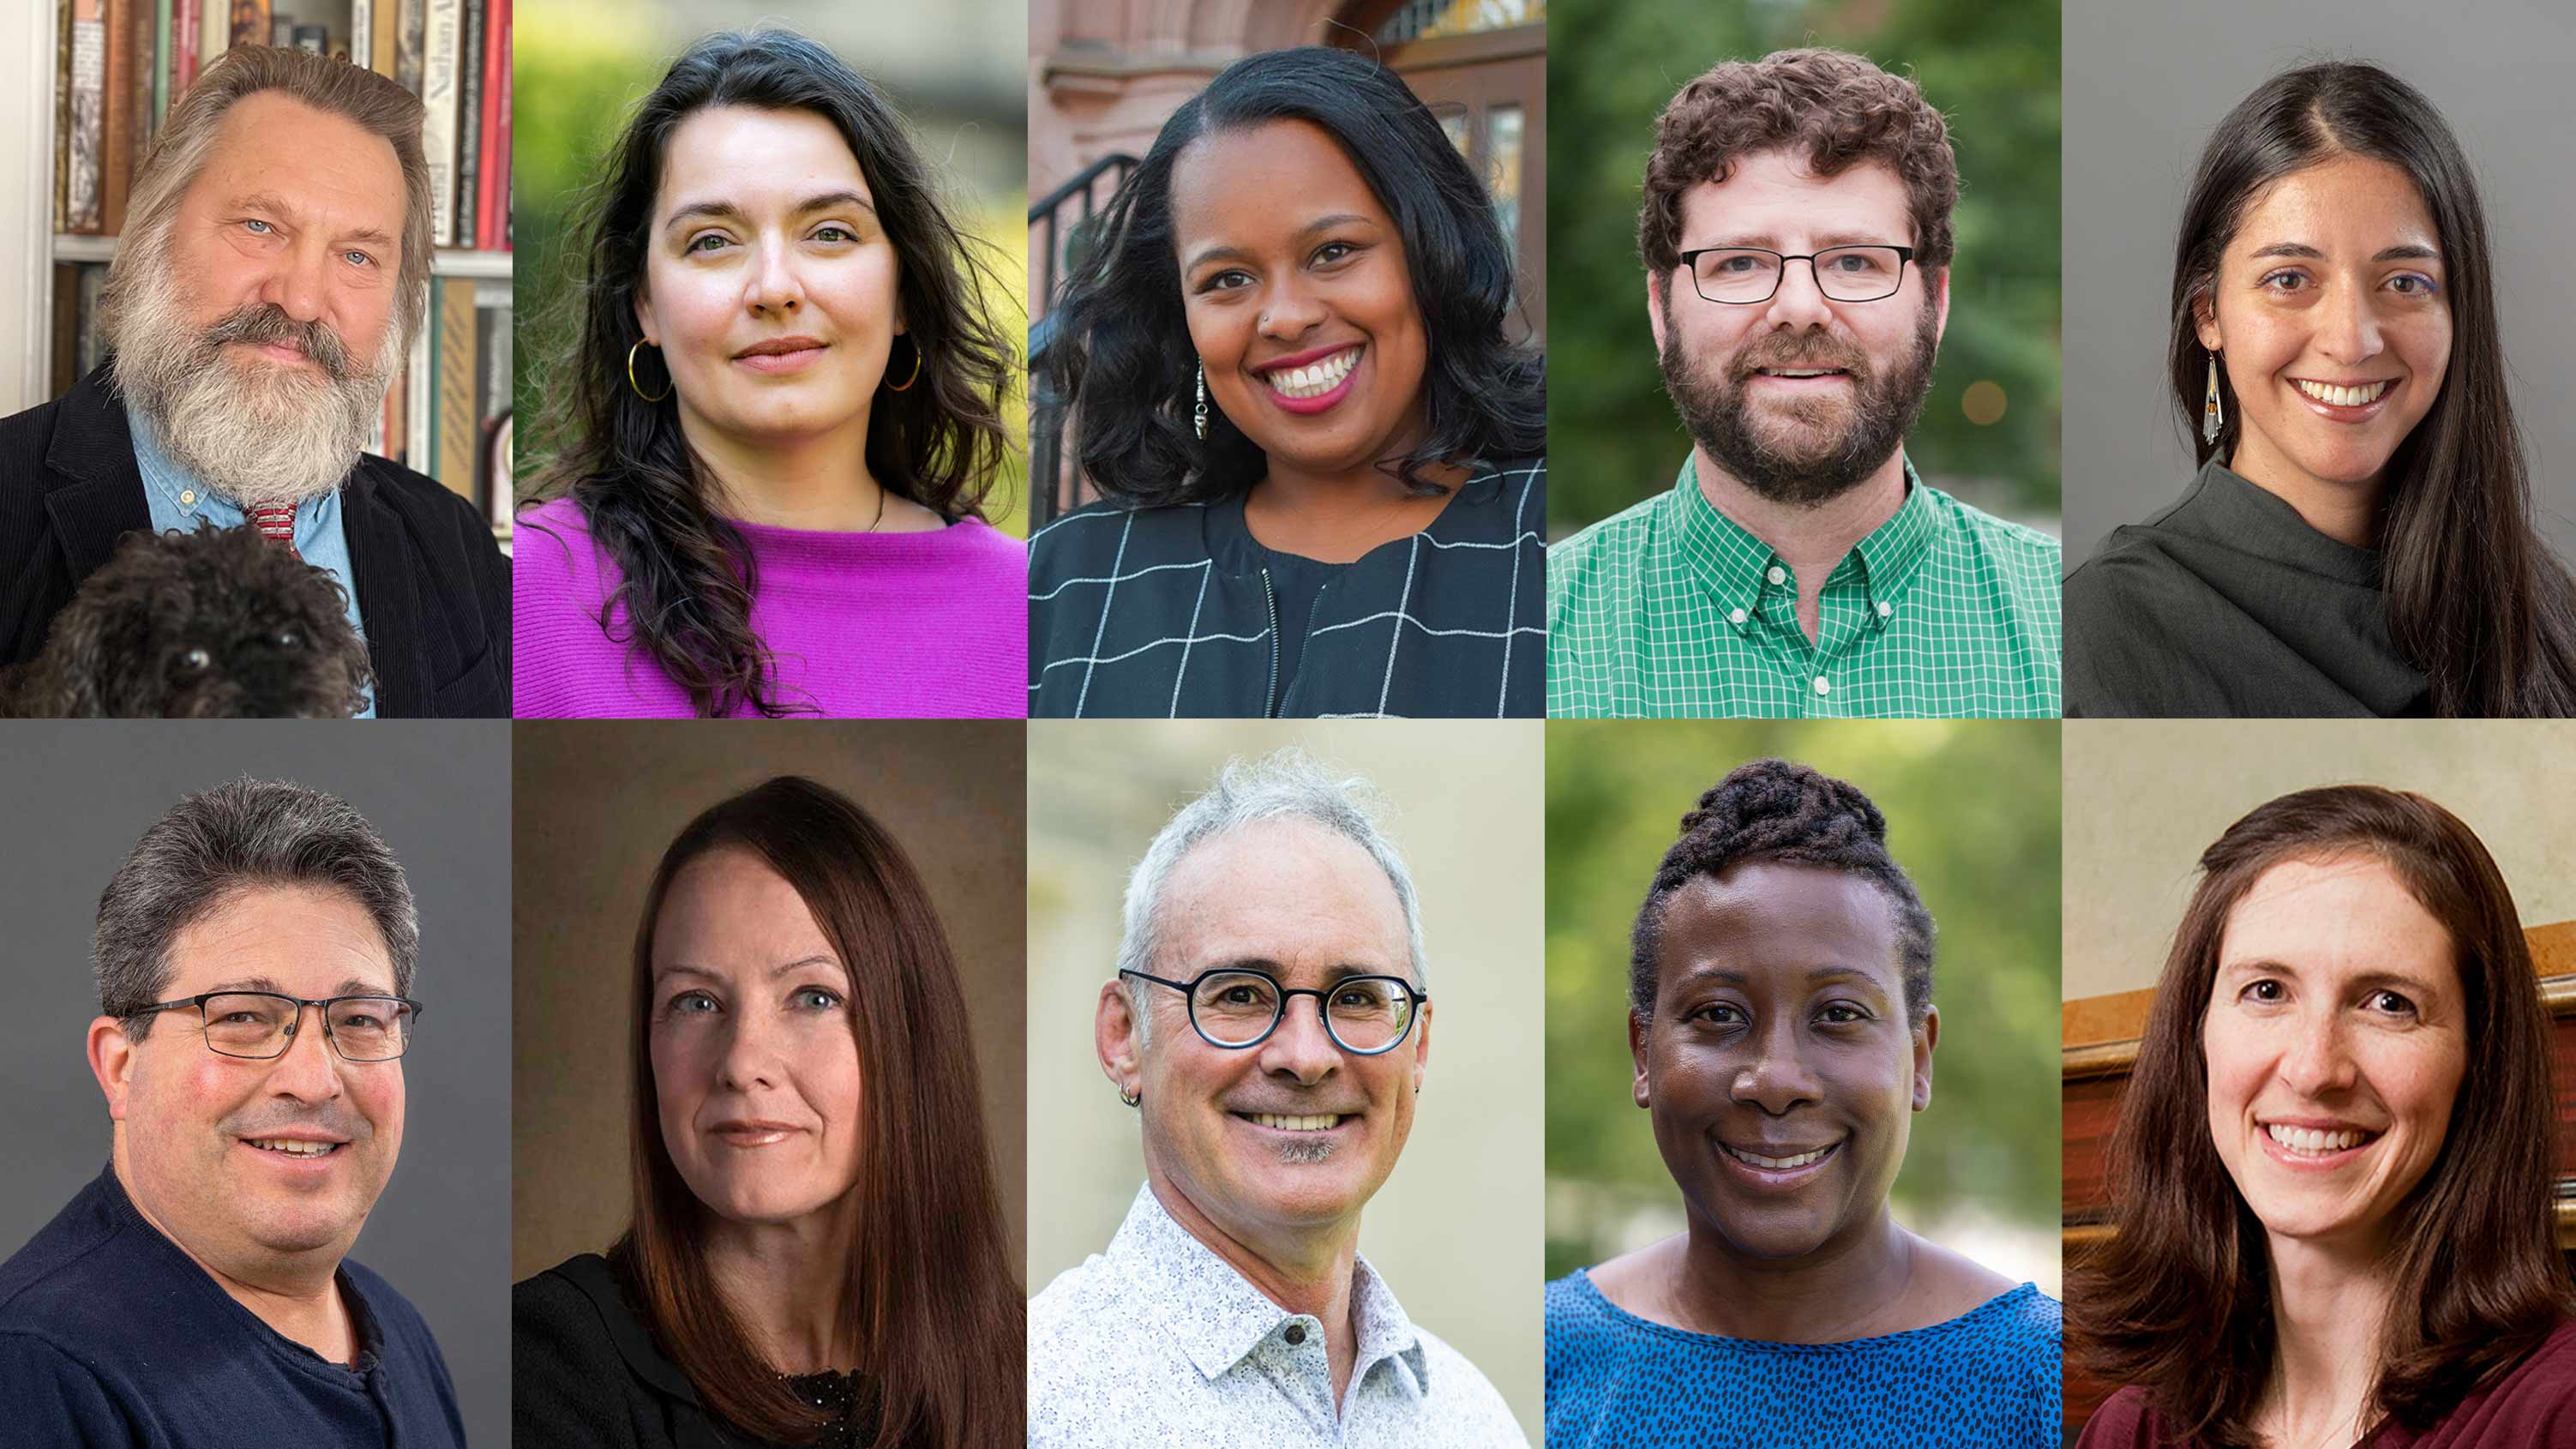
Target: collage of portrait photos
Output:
[(2063, 521)]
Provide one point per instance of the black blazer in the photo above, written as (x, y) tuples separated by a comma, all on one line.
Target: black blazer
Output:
[(432, 586)]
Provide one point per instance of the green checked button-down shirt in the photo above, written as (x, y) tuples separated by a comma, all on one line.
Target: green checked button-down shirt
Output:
[(1670, 609)]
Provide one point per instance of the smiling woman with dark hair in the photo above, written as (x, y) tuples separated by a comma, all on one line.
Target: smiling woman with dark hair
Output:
[(1781, 1021), (1320, 455), (2359, 539), (2330, 1184), (779, 415)]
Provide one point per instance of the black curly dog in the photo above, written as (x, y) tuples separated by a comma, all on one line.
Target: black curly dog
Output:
[(216, 624)]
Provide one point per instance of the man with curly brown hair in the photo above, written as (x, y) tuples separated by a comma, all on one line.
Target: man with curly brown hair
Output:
[(1796, 237)]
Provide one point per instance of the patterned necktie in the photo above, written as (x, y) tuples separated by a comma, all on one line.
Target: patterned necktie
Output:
[(277, 525)]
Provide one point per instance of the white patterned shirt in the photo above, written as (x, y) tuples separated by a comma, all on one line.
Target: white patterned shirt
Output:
[(1160, 1342)]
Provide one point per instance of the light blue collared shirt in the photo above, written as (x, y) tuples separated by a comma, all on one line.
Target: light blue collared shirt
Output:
[(179, 501)]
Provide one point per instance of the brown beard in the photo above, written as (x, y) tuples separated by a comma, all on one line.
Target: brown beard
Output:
[(1819, 462)]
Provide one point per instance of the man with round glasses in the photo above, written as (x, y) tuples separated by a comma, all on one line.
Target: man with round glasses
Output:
[(1797, 241), (1270, 1022), (254, 957)]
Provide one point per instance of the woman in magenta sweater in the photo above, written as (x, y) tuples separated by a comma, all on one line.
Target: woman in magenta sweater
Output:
[(778, 421)]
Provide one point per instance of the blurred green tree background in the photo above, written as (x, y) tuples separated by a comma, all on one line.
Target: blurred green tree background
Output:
[(1972, 811), (1991, 66), (580, 67)]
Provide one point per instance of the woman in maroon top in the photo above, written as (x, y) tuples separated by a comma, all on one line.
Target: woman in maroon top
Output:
[(2331, 1179)]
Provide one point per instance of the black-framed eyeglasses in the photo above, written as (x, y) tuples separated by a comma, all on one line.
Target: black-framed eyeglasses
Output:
[(1741, 276), (1236, 1008), (261, 1024)]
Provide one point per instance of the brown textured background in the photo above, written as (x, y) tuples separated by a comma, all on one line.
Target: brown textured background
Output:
[(593, 805)]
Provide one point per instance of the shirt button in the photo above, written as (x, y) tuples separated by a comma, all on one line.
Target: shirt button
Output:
[(1824, 685), (1736, 618), (1296, 1334), (188, 497), (1778, 575), (1885, 609)]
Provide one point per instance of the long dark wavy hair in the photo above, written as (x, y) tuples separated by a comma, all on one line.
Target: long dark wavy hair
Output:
[(650, 501), (2180, 1299), (2474, 598), (942, 1323), (1123, 359)]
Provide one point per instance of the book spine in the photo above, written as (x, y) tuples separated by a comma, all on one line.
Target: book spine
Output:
[(66, 338), (362, 33), (457, 433), (116, 152), (312, 39), (409, 39), (187, 30), (63, 117), (386, 27), (217, 36), (469, 120), (146, 75), (496, 140), (420, 391), (504, 204), (91, 281), (160, 61), (89, 117), (438, 127), (250, 22)]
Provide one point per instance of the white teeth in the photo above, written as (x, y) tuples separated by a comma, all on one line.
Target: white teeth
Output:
[(1316, 379), (293, 1148), (1297, 1124), (1776, 1164), (1799, 372), (2308, 1139), (2343, 397)]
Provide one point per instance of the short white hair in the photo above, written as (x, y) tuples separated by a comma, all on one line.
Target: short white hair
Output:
[(1286, 785)]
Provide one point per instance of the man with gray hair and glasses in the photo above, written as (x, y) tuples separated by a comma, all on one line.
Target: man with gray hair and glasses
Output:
[(1270, 1022), (254, 958), (268, 283)]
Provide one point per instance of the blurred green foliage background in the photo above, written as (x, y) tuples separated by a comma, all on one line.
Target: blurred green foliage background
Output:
[(580, 67), (1991, 66), (1972, 811)]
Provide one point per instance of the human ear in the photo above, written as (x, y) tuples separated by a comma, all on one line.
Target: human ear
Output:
[(644, 316), (1640, 1089), (1925, 1036), (1658, 285), (1113, 1037), (2204, 320), (1939, 281), (111, 1060)]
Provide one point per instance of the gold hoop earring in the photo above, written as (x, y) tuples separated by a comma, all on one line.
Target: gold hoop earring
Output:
[(630, 375), (1131, 1098), (916, 370)]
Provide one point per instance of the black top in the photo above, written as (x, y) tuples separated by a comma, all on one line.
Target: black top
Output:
[(584, 1374), (432, 586), (1295, 580), (2228, 605), (110, 1336), (1166, 612)]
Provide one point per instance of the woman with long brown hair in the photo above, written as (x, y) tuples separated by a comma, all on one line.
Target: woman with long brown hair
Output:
[(817, 1254), (2359, 539), (2331, 1176)]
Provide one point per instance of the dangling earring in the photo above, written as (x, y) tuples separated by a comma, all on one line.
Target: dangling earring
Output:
[(1200, 415), (916, 368), (2212, 418), (630, 375)]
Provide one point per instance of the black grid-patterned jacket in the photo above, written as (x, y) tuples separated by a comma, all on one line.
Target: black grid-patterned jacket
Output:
[(1136, 613)]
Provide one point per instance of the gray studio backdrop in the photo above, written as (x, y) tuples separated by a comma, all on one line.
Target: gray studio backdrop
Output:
[(2145, 87), (74, 798)]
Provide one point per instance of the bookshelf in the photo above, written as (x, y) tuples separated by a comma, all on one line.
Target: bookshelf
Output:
[(28, 191)]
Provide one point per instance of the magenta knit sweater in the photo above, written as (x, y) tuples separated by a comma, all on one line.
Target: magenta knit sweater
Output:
[(862, 625)]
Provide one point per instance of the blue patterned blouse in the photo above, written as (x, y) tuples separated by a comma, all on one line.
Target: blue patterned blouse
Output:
[(1985, 1379)]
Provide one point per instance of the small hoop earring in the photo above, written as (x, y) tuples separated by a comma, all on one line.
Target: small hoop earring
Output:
[(630, 375), (2212, 417), (916, 369), (1199, 416), (1132, 1098)]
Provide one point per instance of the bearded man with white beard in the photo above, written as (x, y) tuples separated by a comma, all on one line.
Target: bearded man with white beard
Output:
[(273, 270)]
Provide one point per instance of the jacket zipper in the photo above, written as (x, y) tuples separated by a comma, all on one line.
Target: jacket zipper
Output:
[(1270, 695)]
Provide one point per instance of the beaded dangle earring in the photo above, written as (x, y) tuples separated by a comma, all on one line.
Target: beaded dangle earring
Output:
[(2212, 418), (1199, 415)]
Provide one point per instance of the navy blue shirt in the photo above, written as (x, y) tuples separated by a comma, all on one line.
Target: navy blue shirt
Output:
[(111, 1336)]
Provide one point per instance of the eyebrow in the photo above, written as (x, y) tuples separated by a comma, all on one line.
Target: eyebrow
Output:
[(2404, 252), (1770, 241), (730, 211), (277, 206), (1816, 976), (819, 958), (1321, 223), (349, 986), (1263, 964)]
